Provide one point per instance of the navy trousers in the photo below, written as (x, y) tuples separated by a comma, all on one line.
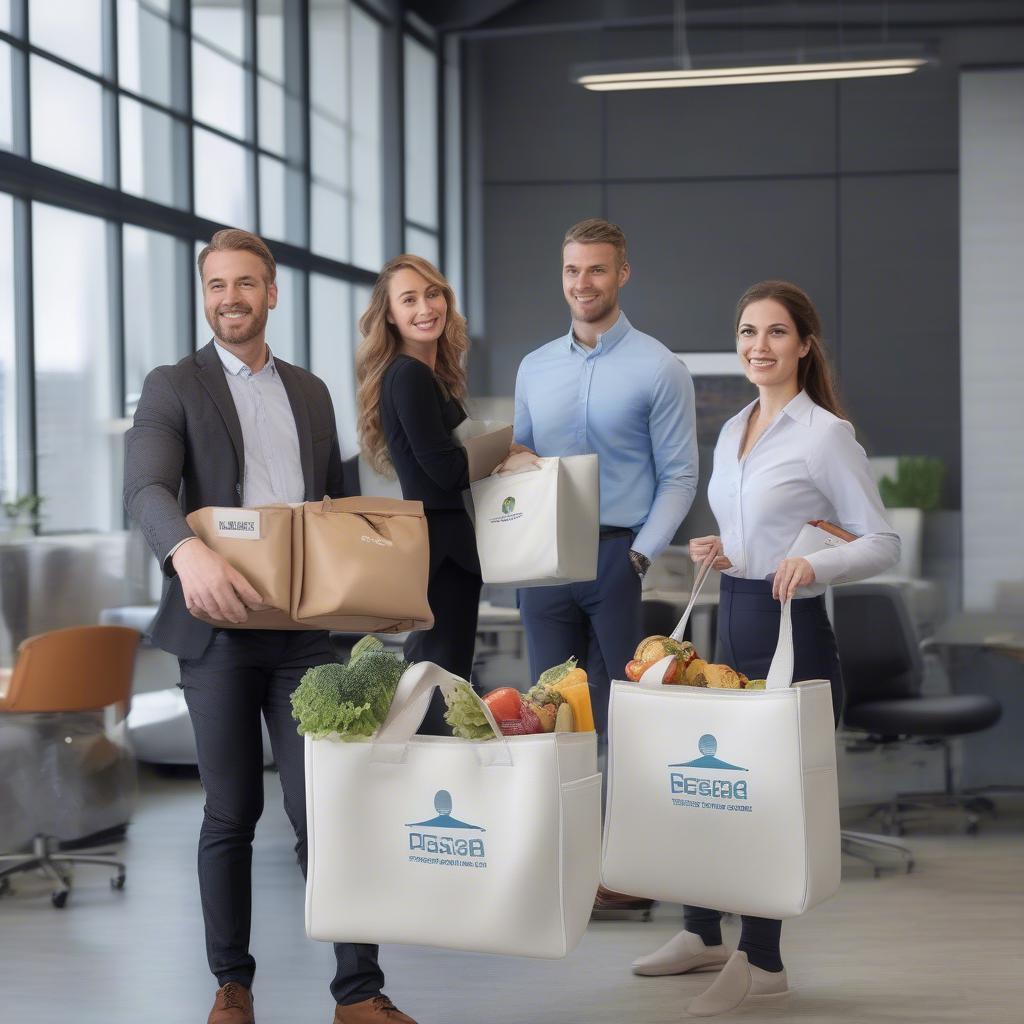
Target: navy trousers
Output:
[(242, 674), (748, 631), (598, 622)]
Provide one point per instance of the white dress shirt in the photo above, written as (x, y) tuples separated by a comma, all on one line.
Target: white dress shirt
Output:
[(806, 465), (273, 466)]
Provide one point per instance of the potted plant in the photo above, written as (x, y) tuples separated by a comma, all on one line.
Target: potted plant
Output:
[(916, 489), (21, 515)]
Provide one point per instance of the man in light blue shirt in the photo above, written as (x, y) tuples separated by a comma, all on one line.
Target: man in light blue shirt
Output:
[(608, 389)]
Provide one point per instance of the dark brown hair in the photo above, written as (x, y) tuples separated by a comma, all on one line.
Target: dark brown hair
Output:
[(596, 231), (235, 239), (814, 372)]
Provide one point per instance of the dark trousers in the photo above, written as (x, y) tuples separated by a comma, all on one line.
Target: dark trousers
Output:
[(599, 622), (242, 674), (454, 596), (748, 631)]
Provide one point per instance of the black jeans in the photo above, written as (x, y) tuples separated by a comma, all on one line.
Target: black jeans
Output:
[(454, 596), (748, 630), (243, 673)]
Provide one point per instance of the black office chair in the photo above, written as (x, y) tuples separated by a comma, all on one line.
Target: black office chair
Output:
[(883, 671)]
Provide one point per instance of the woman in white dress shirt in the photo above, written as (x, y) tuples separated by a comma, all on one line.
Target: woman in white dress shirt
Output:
[(787, 458)]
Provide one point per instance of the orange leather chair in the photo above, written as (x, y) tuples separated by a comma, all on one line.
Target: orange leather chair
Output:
[(84, 668)]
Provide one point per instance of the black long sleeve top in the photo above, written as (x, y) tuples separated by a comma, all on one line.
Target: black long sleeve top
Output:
[(418, 421)]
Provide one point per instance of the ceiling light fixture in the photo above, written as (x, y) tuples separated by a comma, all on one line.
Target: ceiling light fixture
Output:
[(684, 71)]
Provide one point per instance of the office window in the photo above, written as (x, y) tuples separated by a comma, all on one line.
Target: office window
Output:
[(279, 51), (367, 162), (155, 303), (423, 243), (5, 15), (345, 143), (67, 120), (72, 29), (6, 97), (332, 345), (149, 47), (8, 363), (421, 189), (286, 326), (204, 332), (223, 179), (153, 147), (78, 445), (282, 201), (220, 94)]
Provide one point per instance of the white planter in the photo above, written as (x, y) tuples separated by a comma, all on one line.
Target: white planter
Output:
[(909, 524)]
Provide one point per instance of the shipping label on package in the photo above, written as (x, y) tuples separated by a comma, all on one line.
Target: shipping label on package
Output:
[(237, 523)]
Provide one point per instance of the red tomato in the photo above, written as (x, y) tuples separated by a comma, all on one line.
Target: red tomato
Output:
[(506, 704)]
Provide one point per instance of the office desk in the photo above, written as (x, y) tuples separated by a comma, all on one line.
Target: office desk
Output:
[(983, 652)]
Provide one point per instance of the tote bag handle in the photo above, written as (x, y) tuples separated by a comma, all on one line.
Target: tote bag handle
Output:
[(409, 706), (780, 673), (701, 578)]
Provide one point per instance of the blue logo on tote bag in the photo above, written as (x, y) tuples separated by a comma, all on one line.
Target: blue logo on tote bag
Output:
[(429, 845), (696, 783)]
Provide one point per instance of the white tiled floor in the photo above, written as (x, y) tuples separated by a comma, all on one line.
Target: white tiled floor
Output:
[(942, 945)]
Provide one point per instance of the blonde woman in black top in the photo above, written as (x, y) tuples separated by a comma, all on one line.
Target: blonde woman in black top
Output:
[(411, 373)]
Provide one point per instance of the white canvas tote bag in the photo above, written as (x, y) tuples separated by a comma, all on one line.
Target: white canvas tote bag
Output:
[(724, 798), (489, 846), (539, 527)]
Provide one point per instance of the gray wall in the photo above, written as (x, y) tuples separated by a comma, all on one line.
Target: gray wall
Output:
[(849, 189)]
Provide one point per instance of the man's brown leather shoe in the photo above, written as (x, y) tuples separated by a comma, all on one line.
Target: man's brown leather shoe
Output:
[(233, 1005), (609, 903), (378, 1010)]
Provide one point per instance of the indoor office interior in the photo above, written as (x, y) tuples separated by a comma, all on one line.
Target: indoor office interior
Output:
[(345, 132)]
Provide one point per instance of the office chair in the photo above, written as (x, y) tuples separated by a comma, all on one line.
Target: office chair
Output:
[(84, 668), (882, 672)]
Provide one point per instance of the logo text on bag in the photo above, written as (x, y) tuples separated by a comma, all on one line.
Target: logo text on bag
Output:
[(702, 782), (443, 840), (508, 511), (381, 542), (237, 523)]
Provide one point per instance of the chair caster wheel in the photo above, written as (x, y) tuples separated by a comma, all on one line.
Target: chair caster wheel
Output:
[(645, 916), (59, 898), (971, 828), (117, 882), (5, 886)]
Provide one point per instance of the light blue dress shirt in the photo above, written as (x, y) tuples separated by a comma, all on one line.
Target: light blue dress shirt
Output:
[(273, 465), (629, 401)]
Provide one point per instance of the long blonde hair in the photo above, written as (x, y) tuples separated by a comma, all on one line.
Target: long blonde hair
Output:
[(382, 342)]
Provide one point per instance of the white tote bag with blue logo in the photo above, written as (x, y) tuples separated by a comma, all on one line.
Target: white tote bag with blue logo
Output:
[(539, 527), (490, 846), (724, 798)]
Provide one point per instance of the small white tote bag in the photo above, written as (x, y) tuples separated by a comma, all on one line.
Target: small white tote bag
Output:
[(724, 798), (539, 527), (489, 846)]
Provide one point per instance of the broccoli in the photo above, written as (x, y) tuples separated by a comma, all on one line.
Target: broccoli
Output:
[(364, 646), (350, 700), (465, 715)]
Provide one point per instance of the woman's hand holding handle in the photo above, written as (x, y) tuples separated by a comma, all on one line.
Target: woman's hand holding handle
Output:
[(702, 547)]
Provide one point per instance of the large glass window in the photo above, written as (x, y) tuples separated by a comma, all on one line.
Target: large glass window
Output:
[(78, 444), (149, 48), (8, 364), (153, 148), (345, 143), (6, 97), (72, 29), (331, 350), (420, 135), (223, 175), (155, 302), (286, 327), (67, 120), (220, 96)]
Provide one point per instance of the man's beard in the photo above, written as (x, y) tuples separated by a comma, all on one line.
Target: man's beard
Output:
[(597, 313), (257, 326)]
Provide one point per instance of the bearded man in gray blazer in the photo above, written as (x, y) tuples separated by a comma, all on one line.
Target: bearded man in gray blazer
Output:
[(228, 426)]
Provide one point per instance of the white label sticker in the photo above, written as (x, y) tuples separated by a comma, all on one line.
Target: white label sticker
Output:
[(239, 523)]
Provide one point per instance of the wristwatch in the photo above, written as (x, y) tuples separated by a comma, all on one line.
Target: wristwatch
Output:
[(640, 563)]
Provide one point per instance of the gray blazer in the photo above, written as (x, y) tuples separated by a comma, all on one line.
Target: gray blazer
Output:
[(185, 451)]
